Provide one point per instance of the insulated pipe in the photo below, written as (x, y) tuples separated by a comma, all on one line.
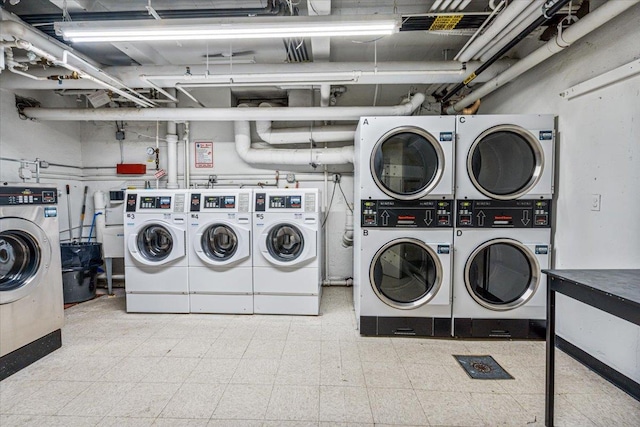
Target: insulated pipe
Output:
[(99, 209), (508, 14), (524, 20), (301, 135), (56, 52), (172, 152), (325, 95), (325, 156), (187, 156), (584, 26), (347, 237), (223, 114)]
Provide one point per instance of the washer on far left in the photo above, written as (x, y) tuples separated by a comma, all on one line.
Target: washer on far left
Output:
[(156, 263), (31, 303)]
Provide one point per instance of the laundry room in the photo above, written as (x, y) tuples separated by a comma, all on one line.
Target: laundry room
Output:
[(320, 213)]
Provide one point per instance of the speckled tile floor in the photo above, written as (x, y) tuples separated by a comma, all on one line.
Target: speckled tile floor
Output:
[(119, 369)]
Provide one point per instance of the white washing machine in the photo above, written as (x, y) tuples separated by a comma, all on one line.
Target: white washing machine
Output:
[(287, 239), (31, 302), (402, 267), (499, 290), (220, 263), (405, 158), (504, 157), (155, 262)]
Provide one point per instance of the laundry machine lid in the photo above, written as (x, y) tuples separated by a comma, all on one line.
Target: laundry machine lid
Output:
[(505, 162), (220, 243), (502, 274), (288, 244), (156, 243), (407, 163), (25, 253), (405, 273)]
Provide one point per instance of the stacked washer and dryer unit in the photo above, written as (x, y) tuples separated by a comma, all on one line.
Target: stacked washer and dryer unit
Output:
[(504, 186), (404, 225), (408, 279)]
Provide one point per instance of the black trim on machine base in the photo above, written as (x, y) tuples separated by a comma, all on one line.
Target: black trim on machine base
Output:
[(405, 326), (26, 355), (616, 378), (499, 328)]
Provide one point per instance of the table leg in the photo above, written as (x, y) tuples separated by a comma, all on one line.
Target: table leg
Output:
[(108, 263), (551, 349)]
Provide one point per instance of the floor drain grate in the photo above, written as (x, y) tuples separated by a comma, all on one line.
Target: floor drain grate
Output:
[(482, 368)]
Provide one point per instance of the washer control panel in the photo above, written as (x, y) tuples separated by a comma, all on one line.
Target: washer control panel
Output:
[(406, 214), (11, 196), (503, 213)]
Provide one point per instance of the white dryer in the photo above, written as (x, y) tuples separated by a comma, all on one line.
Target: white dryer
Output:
[(402, 267), (31, 302), (155, 261), (287, 238), (504, 157), (404, 158), (499, 290), (220, 263)]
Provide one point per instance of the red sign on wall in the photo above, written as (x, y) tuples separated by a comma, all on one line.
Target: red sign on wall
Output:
[(204, 154)]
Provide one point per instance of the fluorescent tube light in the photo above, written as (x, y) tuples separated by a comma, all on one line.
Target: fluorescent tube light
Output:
[(226, 29)]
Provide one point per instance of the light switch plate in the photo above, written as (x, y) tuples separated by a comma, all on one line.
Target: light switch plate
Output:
[(595, 202)]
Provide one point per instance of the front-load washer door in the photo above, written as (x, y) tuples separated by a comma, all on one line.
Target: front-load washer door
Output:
[(502, 274), (221, 243), (287, 244), (407, 163), (505, 162), (25, 254), (157, 243), (405, 273)]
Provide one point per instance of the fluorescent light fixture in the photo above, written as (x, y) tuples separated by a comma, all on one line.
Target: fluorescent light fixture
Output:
[(227, 29)]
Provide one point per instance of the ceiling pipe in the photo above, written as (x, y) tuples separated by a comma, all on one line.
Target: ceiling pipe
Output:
[(313, 73), (549, 10), (311, 157), (584, 26), (510, 31), (29, 39), (223, 114)]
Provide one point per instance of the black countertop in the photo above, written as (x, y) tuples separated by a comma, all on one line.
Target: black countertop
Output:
[(624, 284)]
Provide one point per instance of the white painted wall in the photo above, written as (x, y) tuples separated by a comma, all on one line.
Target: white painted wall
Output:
[(599, 153), (55, 142)]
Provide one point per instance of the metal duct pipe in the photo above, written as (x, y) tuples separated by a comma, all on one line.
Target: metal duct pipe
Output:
[(325, 156), (584, 26), (223, 114)]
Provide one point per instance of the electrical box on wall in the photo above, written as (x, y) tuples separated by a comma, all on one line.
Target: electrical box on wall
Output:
[(131, 169)]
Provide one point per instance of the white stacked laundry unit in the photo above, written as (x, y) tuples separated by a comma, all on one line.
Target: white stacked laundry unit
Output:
[(504, 186), (156, 261), (403, 225), (220, 251), (287, 242)]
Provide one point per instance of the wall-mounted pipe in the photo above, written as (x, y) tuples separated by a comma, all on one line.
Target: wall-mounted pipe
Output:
[(347, 236), (584, 26), (223, 114), (325, 95), (324, 156)]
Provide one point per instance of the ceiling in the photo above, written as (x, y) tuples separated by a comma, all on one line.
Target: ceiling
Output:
[(414, 43)]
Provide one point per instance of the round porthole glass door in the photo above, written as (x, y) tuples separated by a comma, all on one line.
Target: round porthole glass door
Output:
[(219, 242), (407, 163), (155, 242), (285, 242), (502, 274), (505, 162), (405, 273), (20, 259)]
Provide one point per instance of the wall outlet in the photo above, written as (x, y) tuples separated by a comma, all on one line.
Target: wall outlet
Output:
[(595, 202)]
